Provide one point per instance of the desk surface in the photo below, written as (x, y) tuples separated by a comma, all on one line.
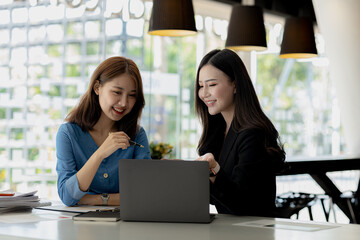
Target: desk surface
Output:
[(223, 227)]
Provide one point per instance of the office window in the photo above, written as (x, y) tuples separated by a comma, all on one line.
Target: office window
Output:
[(300, 99), (46, 61), (113, 47), (55, 32)]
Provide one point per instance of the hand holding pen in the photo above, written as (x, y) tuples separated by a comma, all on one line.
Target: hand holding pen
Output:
[(132, 142), (135, 143)]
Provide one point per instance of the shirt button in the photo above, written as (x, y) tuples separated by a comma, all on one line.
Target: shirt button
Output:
[(106, 175)]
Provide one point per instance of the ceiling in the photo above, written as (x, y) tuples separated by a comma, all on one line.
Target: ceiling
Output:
[(285, 8)]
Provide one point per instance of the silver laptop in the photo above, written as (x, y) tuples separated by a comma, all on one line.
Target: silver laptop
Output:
[(164, 190)]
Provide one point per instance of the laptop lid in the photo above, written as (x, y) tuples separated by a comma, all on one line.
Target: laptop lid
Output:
[(164, 190)]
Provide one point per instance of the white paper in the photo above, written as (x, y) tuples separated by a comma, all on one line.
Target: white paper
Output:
[(286, 225), (30, 217)]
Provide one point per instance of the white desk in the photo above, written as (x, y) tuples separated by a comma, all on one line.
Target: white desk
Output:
[(222, 228)]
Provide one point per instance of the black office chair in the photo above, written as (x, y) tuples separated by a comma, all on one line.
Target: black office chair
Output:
[(327, 200), (290, 203), (353, 201)]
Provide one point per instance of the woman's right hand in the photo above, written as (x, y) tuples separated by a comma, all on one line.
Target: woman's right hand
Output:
[(208, 157), (113, 142)]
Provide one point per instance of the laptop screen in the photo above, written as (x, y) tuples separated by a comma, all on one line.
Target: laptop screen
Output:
[(164, 190)]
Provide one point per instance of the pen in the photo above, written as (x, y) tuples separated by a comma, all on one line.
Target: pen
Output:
[(108, 210), (133, 143), (7, 194)]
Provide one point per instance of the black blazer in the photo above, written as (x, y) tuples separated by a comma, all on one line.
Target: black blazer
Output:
[(246, 183)]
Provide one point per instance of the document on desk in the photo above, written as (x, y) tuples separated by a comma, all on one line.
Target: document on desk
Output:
[(31, 217), (59, 206), (20, 201), (287, 225), (30, 196)]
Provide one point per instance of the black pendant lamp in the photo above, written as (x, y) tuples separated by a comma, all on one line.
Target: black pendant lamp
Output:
[(298, 39), (246, 31), (172, 18)]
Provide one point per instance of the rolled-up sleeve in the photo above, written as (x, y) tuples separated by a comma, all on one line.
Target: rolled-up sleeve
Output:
[(68, 185)]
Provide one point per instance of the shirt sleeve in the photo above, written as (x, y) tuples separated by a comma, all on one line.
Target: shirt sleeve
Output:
[(68, 184), (141, 138)]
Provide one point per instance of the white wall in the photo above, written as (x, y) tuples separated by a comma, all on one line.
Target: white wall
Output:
[(339, 23)]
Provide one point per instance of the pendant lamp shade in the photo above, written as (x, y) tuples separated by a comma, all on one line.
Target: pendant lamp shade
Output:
[(298, 39), (246, 31), (172, 18)]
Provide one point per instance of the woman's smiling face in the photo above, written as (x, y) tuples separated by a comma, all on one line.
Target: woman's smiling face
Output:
[(216, 90), (117, 97)]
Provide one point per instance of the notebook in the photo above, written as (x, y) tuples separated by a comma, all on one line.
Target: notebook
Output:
[(112, 215), (164, 190)]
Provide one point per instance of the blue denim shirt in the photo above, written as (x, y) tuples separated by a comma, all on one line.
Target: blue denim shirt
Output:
[(74, 147)]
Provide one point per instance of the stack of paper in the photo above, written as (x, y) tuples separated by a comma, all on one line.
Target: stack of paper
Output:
[(20, 201)]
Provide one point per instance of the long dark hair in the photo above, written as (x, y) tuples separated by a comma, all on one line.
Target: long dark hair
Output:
[(248, 113), (88, 111)]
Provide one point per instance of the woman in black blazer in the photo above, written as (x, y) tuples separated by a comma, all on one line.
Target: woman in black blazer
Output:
[(240, 143)]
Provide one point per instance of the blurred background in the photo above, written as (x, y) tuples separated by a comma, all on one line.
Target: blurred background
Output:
[(49, 49)]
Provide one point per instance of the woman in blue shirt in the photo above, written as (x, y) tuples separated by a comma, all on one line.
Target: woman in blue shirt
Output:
[(97, 133)]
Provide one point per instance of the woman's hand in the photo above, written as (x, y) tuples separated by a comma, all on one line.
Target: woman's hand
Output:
[(113, 142), (93, 200), (89, 199), (209, 157)]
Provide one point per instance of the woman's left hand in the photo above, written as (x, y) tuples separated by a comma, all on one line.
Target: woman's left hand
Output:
[(209, 157), (95, 200)]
